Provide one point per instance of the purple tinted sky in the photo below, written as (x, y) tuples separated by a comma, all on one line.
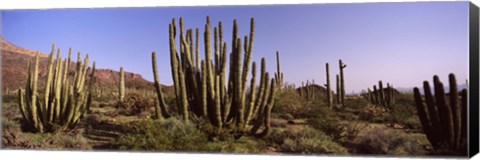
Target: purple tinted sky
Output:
[(400, 43)]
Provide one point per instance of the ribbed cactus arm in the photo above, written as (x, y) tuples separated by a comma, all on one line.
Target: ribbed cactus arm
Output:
[(161, 102)]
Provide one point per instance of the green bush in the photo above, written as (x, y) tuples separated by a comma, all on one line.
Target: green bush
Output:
[(135, 103), (328, 122), (10, 111), (355, 103), (14, 138), (290, 102), (171, 102), (404, 112), (244, 144), (412, 122), (305, 141), (7, 98), (168, 135), (104, 94), (381, 141), (373, 113), (353, 129)]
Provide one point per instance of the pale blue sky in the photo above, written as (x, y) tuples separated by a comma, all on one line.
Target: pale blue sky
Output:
[(400, 43)]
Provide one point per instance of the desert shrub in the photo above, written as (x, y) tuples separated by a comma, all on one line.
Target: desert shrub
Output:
[(92, 120), (176, 135), (353, 129), (171, 102), (168, 135), (404, 112), (104, 94), (11, 135), (7, 98), (373, 113), (290, 102), (328, 122), (380, 141), (348, 116), (330, 126), (59, 141), (412, 122), (244, 144), (69, 141), (10, 111), (319, 112), (14, 138), (94, 104), (135, 103), (305, 141), (355, 103)]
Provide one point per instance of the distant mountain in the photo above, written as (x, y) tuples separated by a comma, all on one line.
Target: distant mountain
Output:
[(446, 88), (404, 89), (317, 89), (14, 70)]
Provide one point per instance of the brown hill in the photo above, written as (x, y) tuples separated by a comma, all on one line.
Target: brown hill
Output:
[(11, 48), (14, 70), (317, 89)]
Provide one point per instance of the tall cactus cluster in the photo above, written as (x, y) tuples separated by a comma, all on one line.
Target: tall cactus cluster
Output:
[(201, 85), (307, 91), (383, 96), (64, 101), (444, 120)]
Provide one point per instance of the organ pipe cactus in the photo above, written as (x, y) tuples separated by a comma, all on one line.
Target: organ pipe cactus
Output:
[(342, 82), (201, 86), (301, 90), (329, 94), (308, 91), (90, 88), (279, 74), (339, 94), (383, 96), (121, 86), (312, 90), (444, 120), (161, 107), (370, 96), (389, 97), (64, 101)]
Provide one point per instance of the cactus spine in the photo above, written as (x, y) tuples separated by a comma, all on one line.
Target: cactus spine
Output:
[(444, 124), (63, 104), (202, 87)]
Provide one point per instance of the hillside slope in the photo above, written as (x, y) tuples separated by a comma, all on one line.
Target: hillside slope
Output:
[(14, 70)]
